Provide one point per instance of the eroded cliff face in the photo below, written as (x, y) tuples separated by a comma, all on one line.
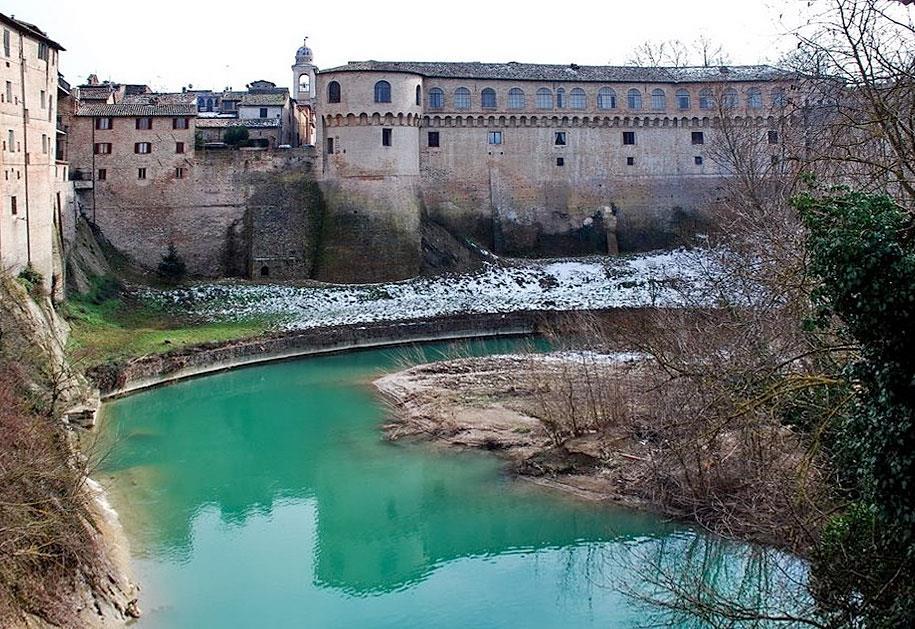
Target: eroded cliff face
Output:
[(62, 560)]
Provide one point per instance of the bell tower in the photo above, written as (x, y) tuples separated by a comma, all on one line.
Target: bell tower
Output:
[(303, 75)]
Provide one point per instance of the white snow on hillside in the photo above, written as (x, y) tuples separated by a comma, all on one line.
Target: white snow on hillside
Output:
[(658, 279)]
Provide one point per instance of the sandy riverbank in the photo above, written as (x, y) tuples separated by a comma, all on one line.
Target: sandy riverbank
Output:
[(498, 404)]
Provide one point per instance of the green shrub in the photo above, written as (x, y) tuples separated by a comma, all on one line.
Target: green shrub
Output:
[(172, 267)]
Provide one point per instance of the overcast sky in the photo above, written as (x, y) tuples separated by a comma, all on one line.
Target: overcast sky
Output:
[(169, 44)]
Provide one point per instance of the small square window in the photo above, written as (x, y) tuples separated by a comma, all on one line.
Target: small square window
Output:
[(630, 161), (495, 137), (433, 139), (628, 137), (773, 136), (560, 161), (141, 173), (144, 123), (559, 138), (179, 147), (263, 112), (698, 137), (386, 137), (698, 160), (102, 174)]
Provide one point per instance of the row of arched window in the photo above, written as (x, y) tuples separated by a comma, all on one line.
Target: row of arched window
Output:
[(576, 98)]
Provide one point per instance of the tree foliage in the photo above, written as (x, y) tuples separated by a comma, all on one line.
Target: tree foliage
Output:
[(236, 136), (172, 267), (862, 252)]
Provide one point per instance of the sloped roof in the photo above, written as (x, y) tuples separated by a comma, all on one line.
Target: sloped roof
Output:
[(163, 98), (102, 92), (134, 110), (273, 99), (250, 123), (30, 29), (571, 72)]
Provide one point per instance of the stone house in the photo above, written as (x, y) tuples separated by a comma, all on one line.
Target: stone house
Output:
[(29, 172)]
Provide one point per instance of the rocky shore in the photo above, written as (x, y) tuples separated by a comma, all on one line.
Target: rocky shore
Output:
[(499, 404)]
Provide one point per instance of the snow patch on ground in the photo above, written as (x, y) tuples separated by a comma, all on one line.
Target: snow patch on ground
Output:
[(661, 279)]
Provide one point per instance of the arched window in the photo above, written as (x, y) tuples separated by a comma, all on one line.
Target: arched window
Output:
[(730, 98), (436, 98), (560, 98), (488, 98), (462, 98), (779, 99), (333, 92), (304, 85), (706, 99), (634, 99), (577, 99), (606, 98), (658, 100), (382, 92), (754, 98), (544, 98), (209, 104), (516, 98), (682, 100), (419, 95)]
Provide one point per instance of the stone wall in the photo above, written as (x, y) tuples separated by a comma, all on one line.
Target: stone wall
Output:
[(205, 214)]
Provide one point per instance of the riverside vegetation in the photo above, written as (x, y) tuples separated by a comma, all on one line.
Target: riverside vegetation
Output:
[(784, 414)]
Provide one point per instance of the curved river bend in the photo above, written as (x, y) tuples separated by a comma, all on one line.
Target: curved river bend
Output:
[(267, 497)]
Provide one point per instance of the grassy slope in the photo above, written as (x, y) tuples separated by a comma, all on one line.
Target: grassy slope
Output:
[(111, 328)]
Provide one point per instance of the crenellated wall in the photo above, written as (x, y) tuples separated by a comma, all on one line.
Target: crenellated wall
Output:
[(595, 166)]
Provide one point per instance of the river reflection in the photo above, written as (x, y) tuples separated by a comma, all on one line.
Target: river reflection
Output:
[(269, 493)]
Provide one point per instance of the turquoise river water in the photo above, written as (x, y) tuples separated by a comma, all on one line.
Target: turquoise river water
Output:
[(268, 497)]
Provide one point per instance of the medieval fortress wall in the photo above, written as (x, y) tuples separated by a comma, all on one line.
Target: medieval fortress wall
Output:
[(537, 160), (528, 160)]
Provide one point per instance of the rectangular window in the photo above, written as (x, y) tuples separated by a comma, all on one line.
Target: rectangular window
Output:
[(14, 209), (6, 42), (386, 137), (698, 160), (698, 137), (102, 124), (630, 161), (44, 143), (102, 148), (42, 51), (263, 112), (102, 174), (628, 137), (141, 173), (433, 139), (180, 172), (9, 91), (773, 136), (330, 146), (560, 138), (180, 123), (142, 148), (495, 137), (43, 97), (144, 124), (179, 147), (560, 161)]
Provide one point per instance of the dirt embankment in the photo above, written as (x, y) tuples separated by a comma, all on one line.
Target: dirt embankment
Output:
[(62, 562), (506, 405)]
